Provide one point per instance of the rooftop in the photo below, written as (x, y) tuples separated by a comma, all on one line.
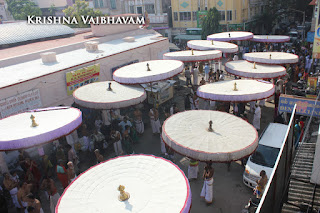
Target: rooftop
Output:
[(18, 73), (19, 32), (42, 45)]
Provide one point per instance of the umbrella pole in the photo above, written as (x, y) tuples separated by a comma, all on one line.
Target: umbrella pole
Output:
[(3, 164)]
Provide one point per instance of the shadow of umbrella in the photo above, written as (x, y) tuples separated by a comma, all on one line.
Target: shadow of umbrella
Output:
[(128, 205)]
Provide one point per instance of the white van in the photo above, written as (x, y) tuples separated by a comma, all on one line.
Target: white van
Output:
[(265, 155)]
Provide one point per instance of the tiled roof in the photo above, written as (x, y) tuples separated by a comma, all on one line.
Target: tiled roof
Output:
[(21, 32)]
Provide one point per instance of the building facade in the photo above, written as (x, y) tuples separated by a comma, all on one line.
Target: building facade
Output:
[(187, 13), (110, 7), (3, 10)]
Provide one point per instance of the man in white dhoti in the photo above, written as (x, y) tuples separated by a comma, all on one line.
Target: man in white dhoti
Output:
[(257, 117), (206, 72), (154, 120), (138, 121), (262, 102), (207, 189), (252, 103), (49, 185), (116, 139), (195, 75), (193, 169)]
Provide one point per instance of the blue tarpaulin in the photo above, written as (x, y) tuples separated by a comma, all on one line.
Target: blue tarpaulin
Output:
[(310, 37)]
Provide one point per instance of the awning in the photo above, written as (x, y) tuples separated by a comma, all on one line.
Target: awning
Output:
[(188, 37)]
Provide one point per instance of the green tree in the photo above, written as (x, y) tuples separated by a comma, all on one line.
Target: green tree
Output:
[(52, 10), (210, 23), (20, 9), (81, 8)]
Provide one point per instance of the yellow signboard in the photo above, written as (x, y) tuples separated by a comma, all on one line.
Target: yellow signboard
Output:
[(81, 77), (316, 42)]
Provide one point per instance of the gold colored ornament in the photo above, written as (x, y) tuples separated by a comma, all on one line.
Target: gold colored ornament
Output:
[(192, 52), (34, 124), (211, 42), (123, 195), (270, 56), (148, 68), (235, 87), (254, 65)]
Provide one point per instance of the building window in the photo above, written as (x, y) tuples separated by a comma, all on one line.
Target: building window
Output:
[(222, 15), (113, 4), (185, 16), (131, 9), (149, 8), (206, 8), (229, 15), (101, 4), (194, 16), (198, 8), (235, 14), (175, 16), (96, 3)]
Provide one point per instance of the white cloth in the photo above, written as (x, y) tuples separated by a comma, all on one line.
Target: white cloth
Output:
[(155, 124), (252, 103), (256, 118), (195, 76), (235, 57), (163, 146), (13, 193), (75, 176), (106, 117), (224, 47), (87, 143), (193, 55), (139, 126), (207, 190), (193, 172), (53, 202), (118, 147), (276, 57)]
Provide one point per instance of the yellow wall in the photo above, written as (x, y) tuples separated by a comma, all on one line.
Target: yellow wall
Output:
[(239, 10)]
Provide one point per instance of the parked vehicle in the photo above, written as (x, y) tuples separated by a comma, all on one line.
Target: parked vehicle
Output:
[(265, 156), (294, 36)]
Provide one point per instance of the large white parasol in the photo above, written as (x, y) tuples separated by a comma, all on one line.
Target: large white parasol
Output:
[(37, 127), (271, 38), (148, 71), (108, 95), (236, 90), (252, 70), (231, 36), (189, 134), (224, 47), (153, 184), (271, 57), (193, 55)]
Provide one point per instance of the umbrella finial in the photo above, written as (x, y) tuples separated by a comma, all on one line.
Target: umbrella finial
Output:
[(235, 87), (34, 124), (123, 195), (254, 65), (148, 68), (192, 52), (210, 126), (211, 42), (229, 35), (270, 56), (109, 88)]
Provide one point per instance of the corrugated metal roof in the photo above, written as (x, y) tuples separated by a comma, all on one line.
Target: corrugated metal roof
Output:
[(300, 189), (21, 32)]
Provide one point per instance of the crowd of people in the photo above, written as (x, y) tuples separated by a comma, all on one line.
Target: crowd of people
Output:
[(107, 129)]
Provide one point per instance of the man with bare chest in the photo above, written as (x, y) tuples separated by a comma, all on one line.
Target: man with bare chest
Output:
[(11, 186), (24, 190)]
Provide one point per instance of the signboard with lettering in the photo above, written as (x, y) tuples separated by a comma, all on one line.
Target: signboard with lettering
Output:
[(20, 103), (81, 77), (304, 105), (316, 42)]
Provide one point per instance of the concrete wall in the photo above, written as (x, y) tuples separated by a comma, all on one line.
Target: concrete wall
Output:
[(53, 90), (106, 29)]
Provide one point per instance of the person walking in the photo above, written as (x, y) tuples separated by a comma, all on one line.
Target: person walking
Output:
[(207, 189), (257, 117)]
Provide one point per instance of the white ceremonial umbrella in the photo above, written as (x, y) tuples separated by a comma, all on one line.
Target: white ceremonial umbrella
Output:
[(148, 71), (270, 38), (135, 183), (236, 90), (210, 136), (193, 55), (271, 57), (108, 95), (224, 47), (247, 69), (231, 36), (36, 127)]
